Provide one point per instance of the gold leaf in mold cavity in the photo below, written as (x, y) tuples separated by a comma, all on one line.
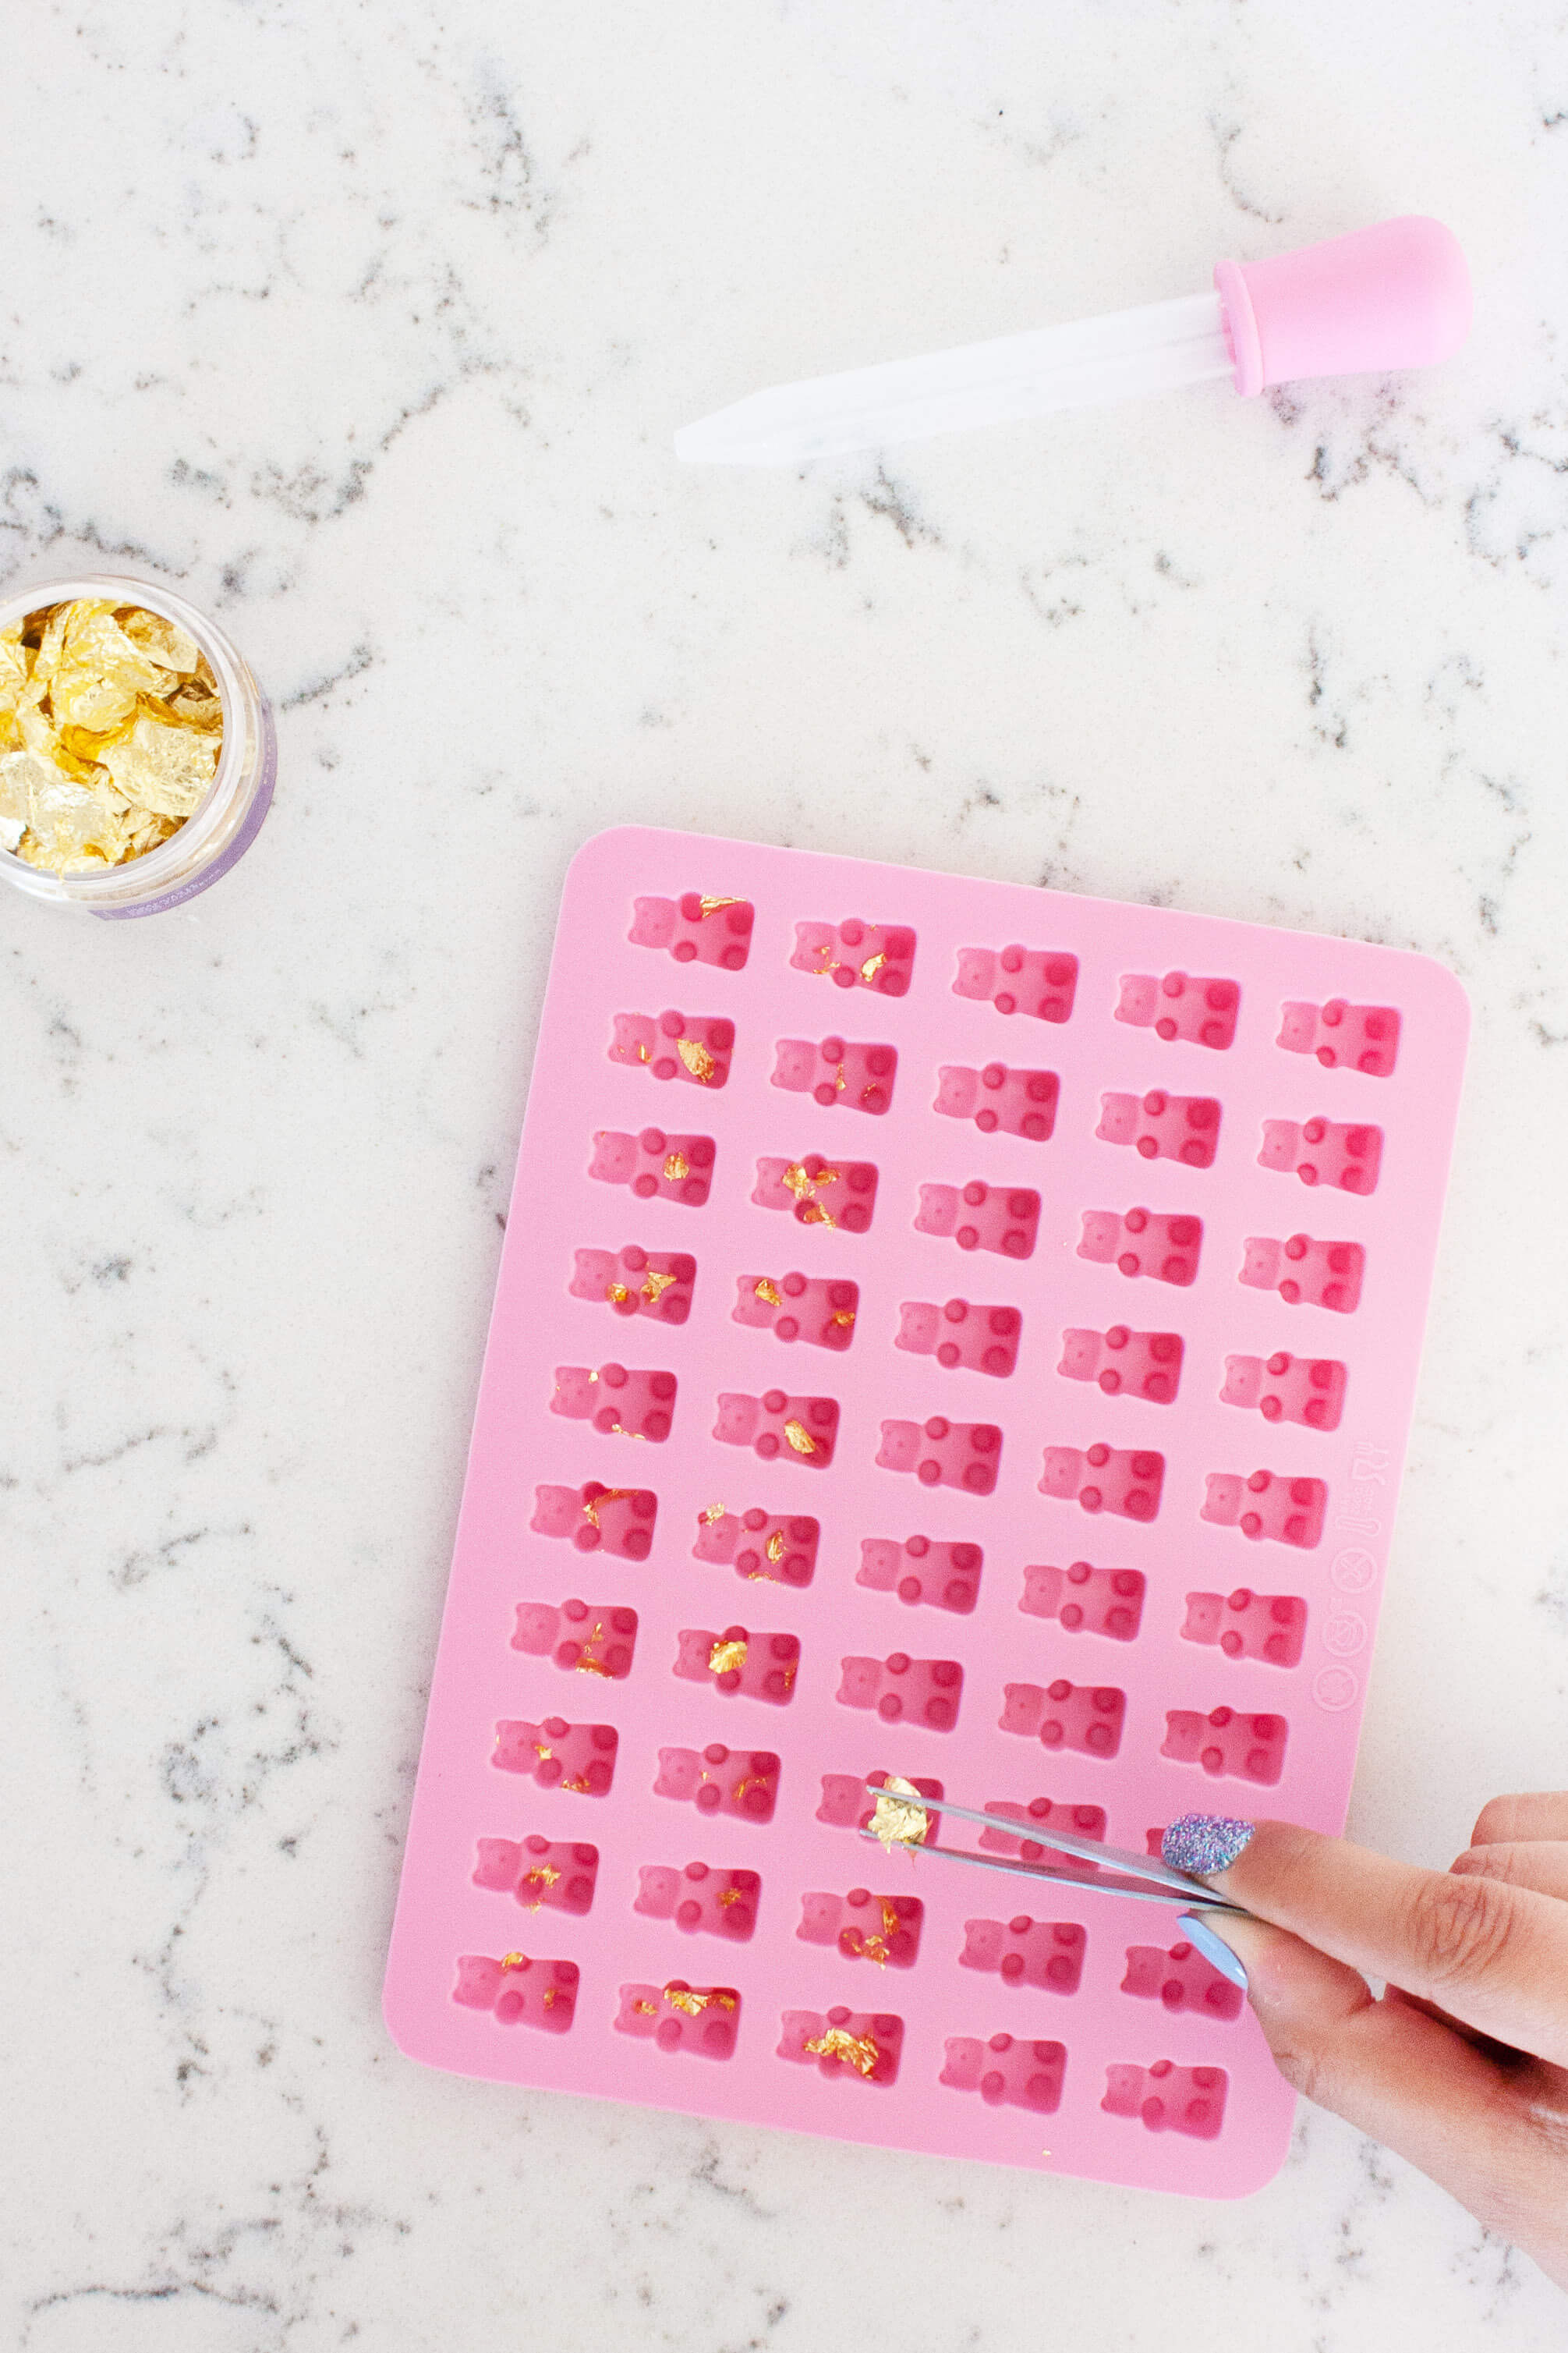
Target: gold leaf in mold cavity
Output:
[(618, 1292), (839, 1080), (550, 1996), (610, 1495), (767, 1291), (858, 2050), (697, 1059), (844, 1316), (646, 2009), (682, 1997), (542, 1752), (814, 1214), (711, 906), (655, 1286), (576, 1781), (713, 1511), (677, 1167), (800, 1438), (587, 1664), (512, 1960), (775, 1547), (731, 1895), (899, 1824), (724, 1656), (542, 1875), (751, 1781), (789, 1673), (871, 968)]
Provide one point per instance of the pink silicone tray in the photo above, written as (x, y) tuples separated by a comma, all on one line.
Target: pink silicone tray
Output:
[(944, 1328)]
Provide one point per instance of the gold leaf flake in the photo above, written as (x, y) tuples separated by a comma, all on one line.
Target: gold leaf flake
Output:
[(844, 1316), (767, 1291), (610, 1495), (751, 1781), (677, 1167), (512, 1960), (839, 1080), (646, 2009), (542, 1875), (697, 1059), (542, 1752), (618, 1292), (799, 1437), (577, 1781), (714, 1512), (655, 1286), (789, 1674), (711, 906), (895, 1824), (163, 768), (681, 1998), (871, 968), (724, 1656), (731, 1895), (550, 1994), (776, 1546), (587, 1664), (858, 2050), (814, 1214)]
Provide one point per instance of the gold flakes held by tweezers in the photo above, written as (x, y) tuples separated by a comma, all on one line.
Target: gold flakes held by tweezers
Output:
[(775, 1545), (676, 1168), (655, 1286), (725, 1656), (767, 1291), (899, 1824), (512, 1960), (697, 1059), (871, 968), (858, 2050), (799, 1437)]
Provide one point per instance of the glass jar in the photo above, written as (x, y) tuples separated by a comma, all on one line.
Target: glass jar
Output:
[(224, 824)]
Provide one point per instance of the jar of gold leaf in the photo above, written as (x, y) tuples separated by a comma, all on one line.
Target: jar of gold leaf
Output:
[(136, 749)]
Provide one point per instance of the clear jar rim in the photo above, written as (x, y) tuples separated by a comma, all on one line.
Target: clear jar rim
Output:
[(163, 867)]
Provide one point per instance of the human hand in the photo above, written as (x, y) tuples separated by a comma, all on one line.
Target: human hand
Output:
[(1462, 2066)]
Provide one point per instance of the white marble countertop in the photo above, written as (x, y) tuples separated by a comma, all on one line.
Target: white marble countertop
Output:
[(368, 327)]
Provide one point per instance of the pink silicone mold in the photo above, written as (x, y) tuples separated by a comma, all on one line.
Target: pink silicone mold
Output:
[(1248, 1625), (798, 1307), (542, 1874), (758, 1545), (619, 1520), (1006, 2071), (860, 1077), (921, 1691), (700, 2020), (1146, 1364), (1126, 1480), (1168, 2098), (700, 1900), (1323, 1152), (1343, 1037), (742, 1783), (759, 1666), (1000, 1101), (1282, 1388), (945, 1576), (854, 955), (696, 929), (1243, 1747), (585, 1637), (1046, 1954), (655, 1166), (1041, 981), (776, 1427), (689, 1046), (943, 1453), (1180, 1978), (636, 1281), (837, 1193), (1306, 1272), (1086, 1717), (1163, 1127), (1203, 1012), (1137, 1242), (980, 1339), (884, 1929), (978, 1216), (592, 1695), (1287, 1510), (623, 1403), (1085, 1600)]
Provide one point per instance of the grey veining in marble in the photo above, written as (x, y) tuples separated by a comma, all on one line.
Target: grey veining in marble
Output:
[(368, 326)]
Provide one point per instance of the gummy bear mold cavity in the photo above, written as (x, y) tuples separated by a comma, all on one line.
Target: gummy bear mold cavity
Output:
[(558, 1755), (623, 1403), (742, 1783), (1045, 1954), (1202, 1012), (854, 954), (1006, 2071), (1287, 1511), (1146, 1364), (541, 1873), (655, 1166), (838, 1071), (778, 1428), (700, 1900), (1136, 1242), (689, 1046), (1168, 2098), (1163, 1127), (1248, 1625), (518, 1990), (923, 1693), (696, 928), (813, 1308), (1324, 1152), (1342, 1036), (839, 1194), (1282, 1388), (635, 1281), (882, 1929), (943, 1575), (979, 1339), (1086, 1601), (863, 2045), (1239, 1748), (1106, 1479), (584, 1636), (943, 1453), (619, 1520), (978, 1216), (700, 2020), (758, 1666), (1086, 1717), (1180, 1979), (757, 1545), (1039, 981), (1306, 1272), (1000, 1101)]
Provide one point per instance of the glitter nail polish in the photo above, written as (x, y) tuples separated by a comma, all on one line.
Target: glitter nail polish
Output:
[(1203, 1843)]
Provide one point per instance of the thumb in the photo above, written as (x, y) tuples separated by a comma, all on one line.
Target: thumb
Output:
[(1387, 2068)]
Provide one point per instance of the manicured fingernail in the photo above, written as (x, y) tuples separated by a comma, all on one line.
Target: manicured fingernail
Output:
[(1203, 1843), (1215, 1950)]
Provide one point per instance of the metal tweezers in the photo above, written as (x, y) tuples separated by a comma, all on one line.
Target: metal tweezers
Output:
[(1137, 1876)]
